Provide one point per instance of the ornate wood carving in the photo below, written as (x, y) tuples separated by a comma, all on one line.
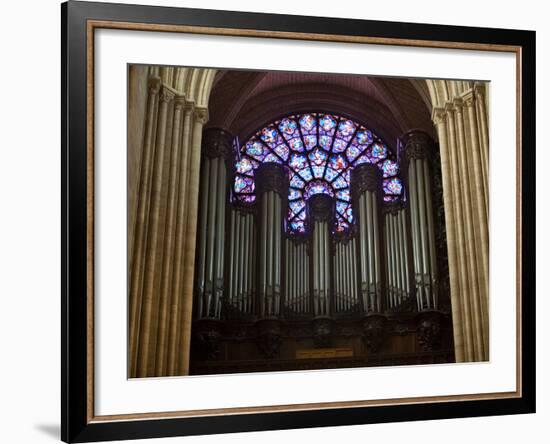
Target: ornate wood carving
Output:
[(366, 177), (322, 332), (217, 142), (417, 145), (374, 332), (428, 332), (269, 337), (321, 207), (206, 339), (272, 176)]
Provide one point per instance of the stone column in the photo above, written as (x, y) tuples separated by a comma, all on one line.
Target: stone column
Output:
[(463, 135), (164, 215), (418, 149), (272, 183), (366, 188)]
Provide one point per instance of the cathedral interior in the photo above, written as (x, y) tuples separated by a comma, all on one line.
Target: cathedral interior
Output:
[(293, 221)]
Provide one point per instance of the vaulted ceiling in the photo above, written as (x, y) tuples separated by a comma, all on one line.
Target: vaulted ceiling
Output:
[(244, 101)]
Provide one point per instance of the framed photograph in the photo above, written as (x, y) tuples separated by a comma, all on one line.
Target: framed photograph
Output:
[(276, 221)]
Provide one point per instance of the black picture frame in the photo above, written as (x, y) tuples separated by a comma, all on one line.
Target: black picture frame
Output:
[(76, 327)]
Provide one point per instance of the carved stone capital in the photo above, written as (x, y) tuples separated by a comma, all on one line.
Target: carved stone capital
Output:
[(417, 145), (272, 177), (366, 177), (217, 142), (321, 207), (438, 115), (180, 103), (153, 84), (166, 94), (201, 114)]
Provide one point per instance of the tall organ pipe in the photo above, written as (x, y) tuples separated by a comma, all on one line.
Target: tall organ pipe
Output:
[(418, 148), (216, 149), (366, 186), (272, 182)]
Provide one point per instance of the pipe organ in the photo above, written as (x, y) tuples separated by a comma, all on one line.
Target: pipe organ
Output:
[(320, 209), (217, 147), (366, 187), (417, 148), (250, 267), (273, 181), (397, 257), (242, 262), (296, 289)]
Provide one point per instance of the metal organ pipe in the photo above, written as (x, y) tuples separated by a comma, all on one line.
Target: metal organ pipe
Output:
[(418, 148)]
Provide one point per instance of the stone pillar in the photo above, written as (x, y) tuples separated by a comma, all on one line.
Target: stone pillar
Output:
[(463, 135), (209, 288), (418, 149), (320, 208), (366, 188), (272, 183)]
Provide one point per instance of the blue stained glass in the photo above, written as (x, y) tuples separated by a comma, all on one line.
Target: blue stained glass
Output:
[(318, 157), (255, 149), (288, 126), (318, 171), (364, 137), (341, 207), (317, 187), (272, 158), (346, 129), (269, 135), (333, 147), (245, 166), (343, 194), (297, 161), (306, 173), (294, 194), (340, 182), (244, 184), (282, 151), (337, 162), (330, 174), (248, 198), (339, 145), (341, 224), (379, 151), (296, 206), (310, 141), (393, 186), (389, 168), (297, 226), (296, 144), (297, 181), (349, 214), (365, 158), (327, 123), (352, 152), (308, 123), (325, 142)]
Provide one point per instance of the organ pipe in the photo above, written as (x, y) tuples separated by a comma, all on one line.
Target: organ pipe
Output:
[(211, 252), (418, 148)]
